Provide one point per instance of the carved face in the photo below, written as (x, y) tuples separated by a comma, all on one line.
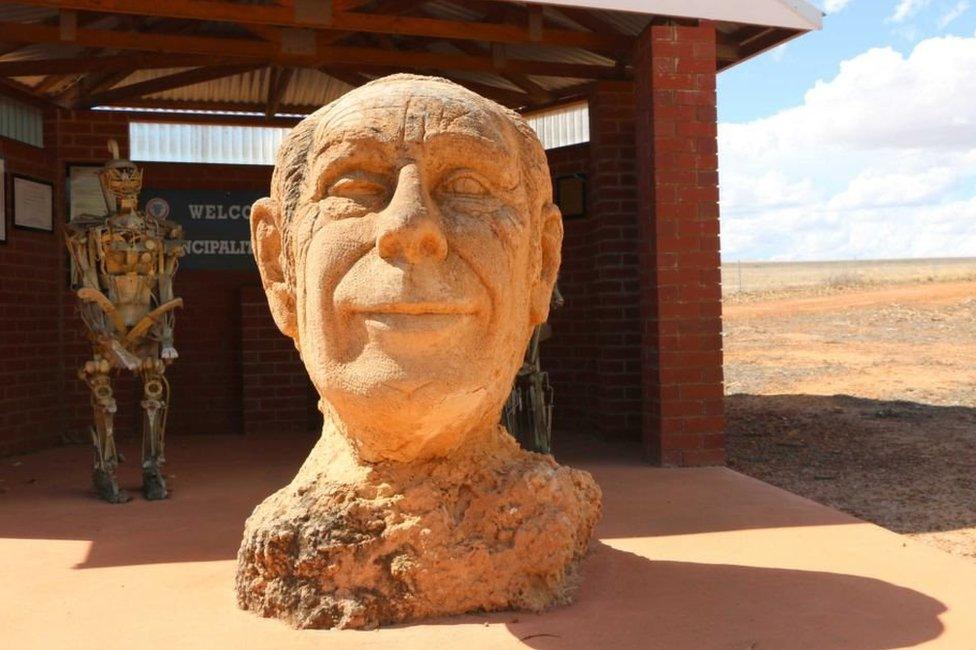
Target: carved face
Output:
[(421, 258)]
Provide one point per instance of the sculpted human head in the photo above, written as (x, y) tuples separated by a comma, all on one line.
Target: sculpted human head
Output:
[(409, 246)]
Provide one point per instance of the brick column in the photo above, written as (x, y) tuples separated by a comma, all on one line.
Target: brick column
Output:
[(681, 300), (614, 288)]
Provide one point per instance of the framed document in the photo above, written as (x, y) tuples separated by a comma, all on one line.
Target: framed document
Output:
[(33, 204), (85, 195), (571, 196), (3, 202)]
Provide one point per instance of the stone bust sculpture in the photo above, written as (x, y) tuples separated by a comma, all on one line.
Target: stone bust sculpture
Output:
[(409, 246)]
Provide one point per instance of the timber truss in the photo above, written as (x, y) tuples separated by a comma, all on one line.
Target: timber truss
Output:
[(84, 53)]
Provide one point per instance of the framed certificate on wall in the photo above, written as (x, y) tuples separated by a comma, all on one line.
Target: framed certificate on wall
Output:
[(33, 202), (3, 202), (571, 196), (85, 197)]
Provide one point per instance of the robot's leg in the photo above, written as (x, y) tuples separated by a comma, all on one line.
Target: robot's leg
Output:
[(155, 402), (95, 374)]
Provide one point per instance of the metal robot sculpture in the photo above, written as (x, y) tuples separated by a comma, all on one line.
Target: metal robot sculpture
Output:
[(123, 267), (527, 414)]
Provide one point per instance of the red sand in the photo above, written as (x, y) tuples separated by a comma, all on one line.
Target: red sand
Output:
[(686, 558)]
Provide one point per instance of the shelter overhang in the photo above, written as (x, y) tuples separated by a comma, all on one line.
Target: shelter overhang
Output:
[(789, 14)]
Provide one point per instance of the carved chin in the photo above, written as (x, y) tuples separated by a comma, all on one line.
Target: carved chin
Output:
[(411, 420)]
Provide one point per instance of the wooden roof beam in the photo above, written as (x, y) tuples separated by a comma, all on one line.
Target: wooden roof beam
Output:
[(105, 63), (312, 54), (503, 96), (168, 82), (191, 105), (536, 92), (277, 85), (346, 21)]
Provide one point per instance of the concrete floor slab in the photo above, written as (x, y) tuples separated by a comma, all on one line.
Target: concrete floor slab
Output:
[(686, 558)]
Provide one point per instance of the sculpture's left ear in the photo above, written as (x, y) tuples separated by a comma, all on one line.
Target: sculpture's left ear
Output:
[(550, 243), (266, 241)]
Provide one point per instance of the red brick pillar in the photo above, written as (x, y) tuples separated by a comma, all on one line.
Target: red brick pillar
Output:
[(614, 288), (681, 299)]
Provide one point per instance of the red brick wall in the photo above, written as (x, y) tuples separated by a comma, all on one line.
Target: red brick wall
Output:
[(570, 355), (614, 295), (31, 276), (278, 396), (678, 215)]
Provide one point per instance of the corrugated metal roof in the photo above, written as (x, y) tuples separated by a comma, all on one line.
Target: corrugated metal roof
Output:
[(313, 88), (562, 126), (204, 143), (21, 122), (306, 87)]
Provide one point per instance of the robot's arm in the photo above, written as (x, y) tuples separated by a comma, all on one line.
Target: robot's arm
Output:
[(173, 250), (84, 268), (169, 262)]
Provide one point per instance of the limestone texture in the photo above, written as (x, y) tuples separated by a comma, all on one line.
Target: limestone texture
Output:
[(409, 247), (499, 528)]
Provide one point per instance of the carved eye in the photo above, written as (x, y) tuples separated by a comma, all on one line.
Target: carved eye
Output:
[(357, 189), (464, 185)]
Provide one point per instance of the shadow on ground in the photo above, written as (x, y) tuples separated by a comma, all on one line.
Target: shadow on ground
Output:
[(690, 605), (907, 466)]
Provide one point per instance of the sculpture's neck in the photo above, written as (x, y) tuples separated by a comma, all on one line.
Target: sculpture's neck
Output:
[(336, 457)]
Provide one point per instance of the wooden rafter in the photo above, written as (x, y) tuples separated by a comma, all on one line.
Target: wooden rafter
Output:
[(85, 64), (501, 95), (283, 16), (168, 82), (315, 56), (23, 93), (345, 75), (531, 88), (277, 85), (192, 105)]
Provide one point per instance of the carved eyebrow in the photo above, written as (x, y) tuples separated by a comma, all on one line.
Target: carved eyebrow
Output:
[(346, 154), (477, 152)]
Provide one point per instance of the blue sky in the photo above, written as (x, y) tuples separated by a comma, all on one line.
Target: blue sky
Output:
[(858, 141)]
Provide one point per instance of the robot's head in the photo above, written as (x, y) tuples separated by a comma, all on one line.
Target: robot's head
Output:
[(121, 179)]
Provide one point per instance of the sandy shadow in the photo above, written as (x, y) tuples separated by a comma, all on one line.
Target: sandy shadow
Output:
[(907, 466), (628, 601)]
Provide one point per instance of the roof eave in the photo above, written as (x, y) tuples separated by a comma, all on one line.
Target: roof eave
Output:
[(788, 14)]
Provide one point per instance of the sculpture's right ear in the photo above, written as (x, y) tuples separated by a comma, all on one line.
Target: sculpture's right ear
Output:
[(266, 241)]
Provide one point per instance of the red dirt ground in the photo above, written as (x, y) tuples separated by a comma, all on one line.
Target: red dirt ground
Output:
[(863, 399)]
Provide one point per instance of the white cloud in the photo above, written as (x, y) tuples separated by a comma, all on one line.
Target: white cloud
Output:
[(907, 8), (959, 9), (879, 161), (833, 6)]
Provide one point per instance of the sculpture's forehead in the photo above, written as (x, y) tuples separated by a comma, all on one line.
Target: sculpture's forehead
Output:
[(412, 114)]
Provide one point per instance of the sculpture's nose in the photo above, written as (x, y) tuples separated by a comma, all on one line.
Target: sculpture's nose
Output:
[(410, 226)]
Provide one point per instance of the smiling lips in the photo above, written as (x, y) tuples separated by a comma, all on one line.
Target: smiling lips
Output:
[(416, 309)]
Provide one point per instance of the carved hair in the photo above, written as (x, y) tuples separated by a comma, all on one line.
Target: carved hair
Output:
[(293, 161)]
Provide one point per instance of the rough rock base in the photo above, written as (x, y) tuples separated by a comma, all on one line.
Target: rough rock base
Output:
[(405, 541)]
